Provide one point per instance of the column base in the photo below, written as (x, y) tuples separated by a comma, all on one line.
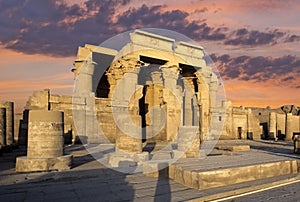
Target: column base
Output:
[(24, 164), (120, 159)]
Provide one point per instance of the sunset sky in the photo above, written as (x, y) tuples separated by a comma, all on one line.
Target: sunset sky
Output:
[(255, 44)]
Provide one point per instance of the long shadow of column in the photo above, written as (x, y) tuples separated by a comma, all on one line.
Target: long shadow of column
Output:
[(163, 189)]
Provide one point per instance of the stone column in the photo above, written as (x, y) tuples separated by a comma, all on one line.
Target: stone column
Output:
[(156, 130), (213, 88), (85, 77), (172, 100), (45, 143), (170, 77), (204, 102), (2, 127), (124, 76), (187, 101), (196, 111), (9, 122), (129, 131), (272, 127), (45, 134)]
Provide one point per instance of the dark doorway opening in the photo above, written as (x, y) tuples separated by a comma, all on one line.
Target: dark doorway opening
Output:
[(103, 87)]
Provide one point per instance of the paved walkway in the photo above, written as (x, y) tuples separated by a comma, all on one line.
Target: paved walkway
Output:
[(91, 181)]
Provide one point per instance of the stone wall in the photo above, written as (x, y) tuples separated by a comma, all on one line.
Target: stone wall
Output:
[(278, 123), (240, 123), (292, 125)]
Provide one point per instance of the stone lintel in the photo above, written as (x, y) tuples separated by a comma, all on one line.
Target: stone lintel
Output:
[(189, 49), (155, 41)]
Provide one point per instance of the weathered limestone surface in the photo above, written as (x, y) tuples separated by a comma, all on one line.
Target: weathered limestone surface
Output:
[(273, 124), (45, 134), (2, 127), (189, 141), (128, 137), (9, 106), (45, 143), (191, 177), (240, 123), (292, 125), (278, 123)]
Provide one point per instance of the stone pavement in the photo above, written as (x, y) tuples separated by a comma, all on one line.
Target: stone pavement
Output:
[(91, 181)]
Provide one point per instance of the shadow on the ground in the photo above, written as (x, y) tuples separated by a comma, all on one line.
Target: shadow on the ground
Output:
[(85, 185), (284, 149)]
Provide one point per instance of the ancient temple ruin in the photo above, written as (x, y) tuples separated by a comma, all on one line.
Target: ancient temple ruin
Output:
[(161, 85), (153, 89)]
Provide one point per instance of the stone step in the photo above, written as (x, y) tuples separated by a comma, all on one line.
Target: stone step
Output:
[(161, 155), (196, 179)]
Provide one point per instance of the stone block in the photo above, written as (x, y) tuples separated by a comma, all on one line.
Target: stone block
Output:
[(189, 141), (151, 40), (120, 159), (156, 169)]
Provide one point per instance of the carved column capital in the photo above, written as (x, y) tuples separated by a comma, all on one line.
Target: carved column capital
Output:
[(170, 71)]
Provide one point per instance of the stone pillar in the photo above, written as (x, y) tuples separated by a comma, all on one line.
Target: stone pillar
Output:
[(187, 101), (9, 123), (204, 102), (272, 127), (84, 80), (45, 143), (45, 134), (213, 88), (196, 111), (124, 77), (189, 141), (170, 77), (289, 127), (156, 130), (172, 100), (129, 131), (2, 127)]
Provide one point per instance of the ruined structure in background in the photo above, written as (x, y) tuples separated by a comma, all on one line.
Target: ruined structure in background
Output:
[(278, 123)]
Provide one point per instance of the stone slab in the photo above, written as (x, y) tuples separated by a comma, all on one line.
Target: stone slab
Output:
[(234, 148), (229, 176)]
